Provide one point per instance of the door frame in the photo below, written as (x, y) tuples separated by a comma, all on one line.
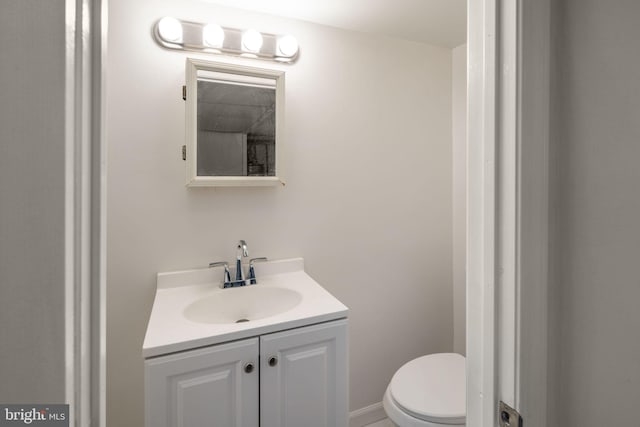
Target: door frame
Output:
[(507, 240), (85, 212), (508, 210)]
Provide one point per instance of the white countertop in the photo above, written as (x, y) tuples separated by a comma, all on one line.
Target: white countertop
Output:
[(170, 331)]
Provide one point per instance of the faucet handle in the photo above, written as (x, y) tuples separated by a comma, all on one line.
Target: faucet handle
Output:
[(218, 264), (227, 274), (252, 272)]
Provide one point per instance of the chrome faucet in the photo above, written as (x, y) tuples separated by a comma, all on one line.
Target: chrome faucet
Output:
[(241, 252)]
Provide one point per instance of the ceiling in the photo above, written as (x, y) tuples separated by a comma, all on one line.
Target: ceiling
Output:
[(440, 22)]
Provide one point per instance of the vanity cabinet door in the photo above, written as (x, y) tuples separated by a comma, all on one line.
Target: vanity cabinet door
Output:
[(303, 377), (210, 387)]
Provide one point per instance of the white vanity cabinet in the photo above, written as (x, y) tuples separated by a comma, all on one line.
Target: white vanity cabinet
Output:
[(211, 386), (296, 377), (303, 377)]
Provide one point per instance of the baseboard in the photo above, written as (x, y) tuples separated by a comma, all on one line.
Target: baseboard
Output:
[(367, 415)]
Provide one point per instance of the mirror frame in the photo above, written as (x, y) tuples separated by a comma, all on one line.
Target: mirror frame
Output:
[(191, 123)]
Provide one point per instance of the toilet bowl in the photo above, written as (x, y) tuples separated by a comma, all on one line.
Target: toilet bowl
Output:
[(429, 391)]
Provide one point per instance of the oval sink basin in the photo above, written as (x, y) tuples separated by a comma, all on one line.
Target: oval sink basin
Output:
[(243, 304)]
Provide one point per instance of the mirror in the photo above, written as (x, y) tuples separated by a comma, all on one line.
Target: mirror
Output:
[(234, 118)]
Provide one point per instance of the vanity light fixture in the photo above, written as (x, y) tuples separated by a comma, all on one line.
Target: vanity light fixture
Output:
[(170, 30), (213, 35), (287, 46), (172, 33), (251, 40)]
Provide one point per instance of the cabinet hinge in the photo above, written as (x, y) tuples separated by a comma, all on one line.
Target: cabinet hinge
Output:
[(508, 416), (184, 93), (184, 152)]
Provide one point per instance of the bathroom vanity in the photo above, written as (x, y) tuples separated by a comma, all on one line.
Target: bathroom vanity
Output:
[(270, 354)]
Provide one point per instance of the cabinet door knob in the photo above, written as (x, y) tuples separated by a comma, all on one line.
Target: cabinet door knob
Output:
[(248, 368), (273, 361)]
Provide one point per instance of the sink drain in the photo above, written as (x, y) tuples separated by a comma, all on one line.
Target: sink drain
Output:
[(242, 320)]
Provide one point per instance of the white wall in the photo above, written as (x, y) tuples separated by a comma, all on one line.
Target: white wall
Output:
[(367, 202), (595, 345), (32, 191), (459, 188)]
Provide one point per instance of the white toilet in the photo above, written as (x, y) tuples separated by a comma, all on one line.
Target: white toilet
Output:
[(429, 391)]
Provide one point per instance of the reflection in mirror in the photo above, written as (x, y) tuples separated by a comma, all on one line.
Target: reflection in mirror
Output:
[(236, 128), (233, 124)]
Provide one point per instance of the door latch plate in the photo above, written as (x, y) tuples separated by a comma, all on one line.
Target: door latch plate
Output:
[(508, 416)]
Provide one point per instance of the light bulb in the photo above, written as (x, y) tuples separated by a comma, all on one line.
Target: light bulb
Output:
[(213, 35), (251, 40), (287, 46), (170, 30)]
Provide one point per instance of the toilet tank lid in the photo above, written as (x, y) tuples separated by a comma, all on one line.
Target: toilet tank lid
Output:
[(432, 388)]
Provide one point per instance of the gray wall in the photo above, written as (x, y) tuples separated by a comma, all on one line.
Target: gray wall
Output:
[(367, 202), (595, 294), (32, 172)]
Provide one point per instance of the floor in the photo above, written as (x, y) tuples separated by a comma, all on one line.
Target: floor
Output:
[(382, 423)]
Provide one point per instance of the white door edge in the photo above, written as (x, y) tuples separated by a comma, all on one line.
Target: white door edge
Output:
[(508, 138), (481, 212)]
